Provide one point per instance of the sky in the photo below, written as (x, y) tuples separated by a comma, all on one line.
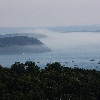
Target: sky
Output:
[(47, 13)]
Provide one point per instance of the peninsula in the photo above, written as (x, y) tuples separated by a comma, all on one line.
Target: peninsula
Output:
[(21, 45)]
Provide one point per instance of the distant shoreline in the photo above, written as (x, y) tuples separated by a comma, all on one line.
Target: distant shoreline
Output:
[(79, 31)]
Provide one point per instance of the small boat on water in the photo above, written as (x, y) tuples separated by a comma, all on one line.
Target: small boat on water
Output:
[(92, 60), (75, 65), (38, 62)]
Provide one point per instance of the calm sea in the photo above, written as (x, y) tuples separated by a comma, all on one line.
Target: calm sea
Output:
[(74, 49)]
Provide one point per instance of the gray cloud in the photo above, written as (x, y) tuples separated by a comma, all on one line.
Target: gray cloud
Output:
[(49, 12)]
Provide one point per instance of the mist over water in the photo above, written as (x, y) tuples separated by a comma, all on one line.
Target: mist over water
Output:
[(69, 41), (79, 47)]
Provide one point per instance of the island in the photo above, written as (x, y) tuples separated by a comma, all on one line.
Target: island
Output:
[(21, 45)]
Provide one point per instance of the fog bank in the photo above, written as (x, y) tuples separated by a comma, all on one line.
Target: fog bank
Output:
[(64, 41)]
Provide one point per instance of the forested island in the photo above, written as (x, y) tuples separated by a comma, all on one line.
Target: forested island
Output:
[(26, 81), (21, 44)]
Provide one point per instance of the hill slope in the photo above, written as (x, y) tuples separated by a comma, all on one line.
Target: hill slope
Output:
[(21, 44)]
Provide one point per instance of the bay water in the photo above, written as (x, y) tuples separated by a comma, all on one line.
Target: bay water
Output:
[(71, 49)]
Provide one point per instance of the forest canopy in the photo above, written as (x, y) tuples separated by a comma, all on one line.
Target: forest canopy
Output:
[(22, 45), (26, 81), (19, 40)]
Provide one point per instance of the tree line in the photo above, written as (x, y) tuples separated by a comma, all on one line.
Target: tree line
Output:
[(19, 40), (54, 82)]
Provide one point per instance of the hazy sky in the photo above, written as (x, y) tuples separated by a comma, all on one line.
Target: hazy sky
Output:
[(43, 13)]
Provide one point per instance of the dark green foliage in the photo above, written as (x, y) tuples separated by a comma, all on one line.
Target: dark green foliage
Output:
[(29, 82), (21, 45), (19, 40)]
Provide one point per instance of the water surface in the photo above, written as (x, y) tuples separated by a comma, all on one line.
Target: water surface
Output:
[(70, 49)]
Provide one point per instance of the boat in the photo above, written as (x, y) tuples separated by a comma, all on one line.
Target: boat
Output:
[(38, 62), (75, 65), (92, 60)]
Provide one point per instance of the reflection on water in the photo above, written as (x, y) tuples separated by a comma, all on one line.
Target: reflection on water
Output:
[(78, 47)]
